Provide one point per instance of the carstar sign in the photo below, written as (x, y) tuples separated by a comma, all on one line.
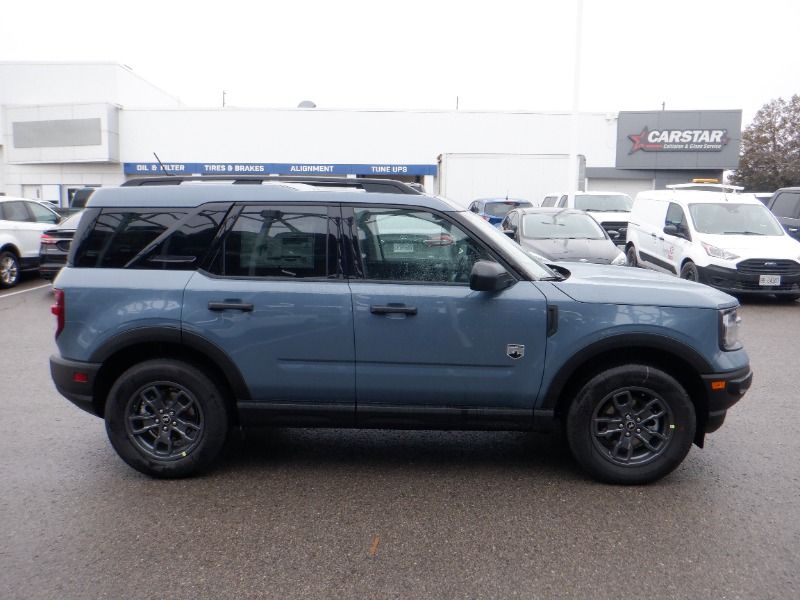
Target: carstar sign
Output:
[(679, 140)]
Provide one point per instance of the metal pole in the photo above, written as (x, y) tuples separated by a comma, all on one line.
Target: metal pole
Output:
[(574, 166)]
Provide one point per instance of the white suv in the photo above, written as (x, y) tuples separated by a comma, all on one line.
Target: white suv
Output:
[(22, 222), (610, 209), (716, 236)]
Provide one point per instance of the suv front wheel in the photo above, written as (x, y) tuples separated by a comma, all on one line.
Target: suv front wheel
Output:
[(631, 424), (165, 418)]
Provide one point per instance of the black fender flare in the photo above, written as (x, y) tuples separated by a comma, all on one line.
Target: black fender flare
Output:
[(174, 335), (662, 344)]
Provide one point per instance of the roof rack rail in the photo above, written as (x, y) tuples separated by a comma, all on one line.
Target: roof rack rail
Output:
[(723, 187), (385, 186)]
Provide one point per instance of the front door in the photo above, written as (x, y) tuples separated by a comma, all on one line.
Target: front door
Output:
[(274, 300), (428, 348)]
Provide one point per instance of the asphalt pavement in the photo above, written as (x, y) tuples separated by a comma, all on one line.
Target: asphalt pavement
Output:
[(371, 514)]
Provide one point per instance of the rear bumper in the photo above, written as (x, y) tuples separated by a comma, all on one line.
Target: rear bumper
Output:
[(723, 390), (733, 281), (75, 381)]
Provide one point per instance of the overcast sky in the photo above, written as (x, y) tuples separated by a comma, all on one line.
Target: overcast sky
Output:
[(493, 55)]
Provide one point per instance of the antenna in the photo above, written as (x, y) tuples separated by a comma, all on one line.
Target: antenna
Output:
[(163, 168)]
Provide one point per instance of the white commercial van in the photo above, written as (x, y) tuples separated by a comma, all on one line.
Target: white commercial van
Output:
[(610, 209), (716, 236)]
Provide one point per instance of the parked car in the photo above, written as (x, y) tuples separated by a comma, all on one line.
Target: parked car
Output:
[(494, 210), (54, 246), (785, 204), (725, 239), (186, 309), (21, 223), (561, 234), (610, 209), (763, 197)]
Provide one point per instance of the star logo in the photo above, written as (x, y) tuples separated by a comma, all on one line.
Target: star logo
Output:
[(638, 144)]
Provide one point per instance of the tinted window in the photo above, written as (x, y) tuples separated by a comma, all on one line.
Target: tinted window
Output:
[(734, 219), (501, 209), (414, 245), (16, 211), (674, 216), (787, 204), (121, 235), (293, 242), (561, 225)]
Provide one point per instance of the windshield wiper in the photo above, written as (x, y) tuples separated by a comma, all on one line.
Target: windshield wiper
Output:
[(742, 233)]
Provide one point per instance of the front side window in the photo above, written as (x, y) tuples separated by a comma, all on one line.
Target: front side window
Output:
[(413, 245), (787, 204), (42, 214), (279, 241), (549, 201), (728, 218)]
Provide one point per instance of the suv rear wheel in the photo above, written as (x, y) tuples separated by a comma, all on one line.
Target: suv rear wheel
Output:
[(630, 257), (9, 269), (166, 418), (631, 424)]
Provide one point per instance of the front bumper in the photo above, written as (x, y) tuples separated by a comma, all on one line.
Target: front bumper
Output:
[(734, 281), (723, 390), (75, 381)]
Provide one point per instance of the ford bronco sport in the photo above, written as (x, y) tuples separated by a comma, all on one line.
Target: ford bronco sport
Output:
[(187, 309)]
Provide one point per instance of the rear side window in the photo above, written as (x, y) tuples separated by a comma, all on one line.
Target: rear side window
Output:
[(16, 211), (146, 238), (292, 242)]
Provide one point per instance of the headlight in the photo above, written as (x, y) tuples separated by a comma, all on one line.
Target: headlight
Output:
[(718, 252), (729, 323), (619, 260)]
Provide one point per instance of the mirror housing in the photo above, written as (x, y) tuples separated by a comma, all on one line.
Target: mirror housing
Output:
[(510, 233), (489, 276), (671, 229)]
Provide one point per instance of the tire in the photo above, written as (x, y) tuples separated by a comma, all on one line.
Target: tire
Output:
[(167, 419), (9, 269), (689, 271), (611, 445), (630, 256)]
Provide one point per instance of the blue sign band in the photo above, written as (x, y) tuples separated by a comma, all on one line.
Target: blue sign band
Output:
[(227, 168)]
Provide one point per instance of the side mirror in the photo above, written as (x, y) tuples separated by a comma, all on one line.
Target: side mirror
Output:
[(510, 233), (671, 229), (488, 276)]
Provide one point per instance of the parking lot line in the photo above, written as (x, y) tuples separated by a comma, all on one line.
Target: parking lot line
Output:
[(25, 291)]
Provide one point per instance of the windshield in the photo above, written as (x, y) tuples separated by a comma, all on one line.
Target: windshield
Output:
[(533, 268), (501, 209), (561, 225), (727, 218), (604, 202)]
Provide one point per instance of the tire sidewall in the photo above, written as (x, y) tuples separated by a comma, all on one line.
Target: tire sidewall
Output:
[(206, 393), (15, 281), (580, 414), (630, 255), (690, 267)]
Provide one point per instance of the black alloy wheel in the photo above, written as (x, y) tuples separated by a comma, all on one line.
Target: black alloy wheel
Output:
[(166, 418)]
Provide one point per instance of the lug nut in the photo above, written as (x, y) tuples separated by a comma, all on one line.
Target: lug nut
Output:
[(638, 419), (165, 428), (638, 431), (627, 435), (174, 422)]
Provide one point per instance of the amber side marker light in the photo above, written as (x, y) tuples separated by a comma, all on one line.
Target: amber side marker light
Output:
[(717, 385)]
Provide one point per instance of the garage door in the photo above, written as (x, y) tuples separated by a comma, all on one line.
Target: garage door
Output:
[(625, 186)]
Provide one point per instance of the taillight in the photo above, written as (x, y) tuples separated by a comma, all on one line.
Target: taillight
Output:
[(47, 239), (58, 310)]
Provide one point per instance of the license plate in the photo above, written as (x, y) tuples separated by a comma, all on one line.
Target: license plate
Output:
[(769, 280), (403, 248)]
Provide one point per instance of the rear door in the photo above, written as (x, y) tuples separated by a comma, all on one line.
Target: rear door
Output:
[(274, 300), (429, 350)]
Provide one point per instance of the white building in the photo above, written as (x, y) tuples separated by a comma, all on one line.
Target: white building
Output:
[(68, 125)]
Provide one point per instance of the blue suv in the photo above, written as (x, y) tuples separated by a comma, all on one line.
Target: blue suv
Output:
[(187, 310)]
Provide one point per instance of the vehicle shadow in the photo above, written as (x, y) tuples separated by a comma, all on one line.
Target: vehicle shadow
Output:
[(402, 450)]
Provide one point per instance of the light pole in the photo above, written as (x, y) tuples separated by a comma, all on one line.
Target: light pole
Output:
[(574, 165)]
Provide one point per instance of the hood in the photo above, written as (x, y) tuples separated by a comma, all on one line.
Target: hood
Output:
[(755, 246), (580, 250), (603, 284)]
